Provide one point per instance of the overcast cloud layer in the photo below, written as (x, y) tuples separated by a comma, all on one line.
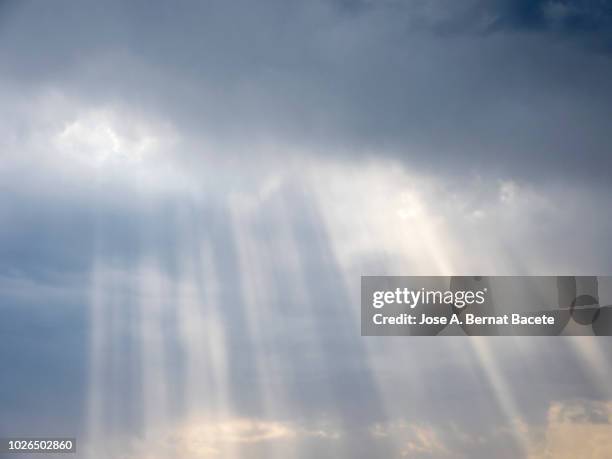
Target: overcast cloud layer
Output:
[(190, 192), (514, 87)]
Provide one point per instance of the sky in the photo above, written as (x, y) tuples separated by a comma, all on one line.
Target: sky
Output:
[(190, 192)]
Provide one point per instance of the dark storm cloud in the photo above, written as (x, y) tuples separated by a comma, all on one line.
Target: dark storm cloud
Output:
[(578, 16), (511, 88)]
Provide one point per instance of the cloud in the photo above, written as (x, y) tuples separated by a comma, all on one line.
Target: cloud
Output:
[(348, 79), (196, 188), (558, 16), (416, 441), (576, 428), (444, 440), (229, 437), (572, 428), (427, 223)]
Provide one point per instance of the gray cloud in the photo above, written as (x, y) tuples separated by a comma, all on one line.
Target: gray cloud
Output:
[(419, 81), (191, 190)]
